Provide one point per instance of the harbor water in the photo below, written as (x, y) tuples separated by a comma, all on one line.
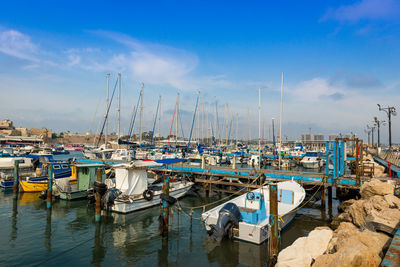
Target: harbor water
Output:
[(67, 235)]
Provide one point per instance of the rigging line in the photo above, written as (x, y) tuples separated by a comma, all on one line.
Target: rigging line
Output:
[(108, 110), (134, 117)]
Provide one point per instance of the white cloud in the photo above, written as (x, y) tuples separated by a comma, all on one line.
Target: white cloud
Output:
[(316, 90), (19, 45), (365, 9)]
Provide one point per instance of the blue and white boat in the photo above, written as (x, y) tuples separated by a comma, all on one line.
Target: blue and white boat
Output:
[(246, 217)]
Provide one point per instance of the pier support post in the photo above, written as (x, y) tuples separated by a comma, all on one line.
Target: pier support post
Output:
[(203, 162), (323, 197), (234, 163), (16, 177), (330, 202), (273, 222), (98, 197), (164, 220), (50, 186)]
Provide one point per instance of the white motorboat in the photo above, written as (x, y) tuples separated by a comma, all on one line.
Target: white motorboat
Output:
[(312, 161), (246, 217), (132, 192)]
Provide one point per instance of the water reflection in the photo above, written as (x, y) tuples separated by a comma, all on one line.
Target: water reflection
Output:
[(14, 220), (47, 231), (99, 248), (67, 232)]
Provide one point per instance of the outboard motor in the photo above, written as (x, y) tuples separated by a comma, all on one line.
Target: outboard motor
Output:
[(229, 217), (108, 198)]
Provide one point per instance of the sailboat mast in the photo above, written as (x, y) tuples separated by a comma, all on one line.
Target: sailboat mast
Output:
[(141, 114), (215, 120), (159, 118), (105, 115), (280, 124), (259, 127), (176, 121), (119, 107), (226, 124), (247, 127), (237, 127)]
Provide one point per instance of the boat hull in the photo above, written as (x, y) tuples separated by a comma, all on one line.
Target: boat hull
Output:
[(139, 204), (33, 186)]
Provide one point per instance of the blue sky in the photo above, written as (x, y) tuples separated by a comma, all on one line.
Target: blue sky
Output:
[(340, 59)]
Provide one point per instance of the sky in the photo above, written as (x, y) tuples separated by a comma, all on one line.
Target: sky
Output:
[(339, 59)]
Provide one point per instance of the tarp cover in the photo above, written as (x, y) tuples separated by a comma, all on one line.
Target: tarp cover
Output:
[(169, 161), (131, 181)]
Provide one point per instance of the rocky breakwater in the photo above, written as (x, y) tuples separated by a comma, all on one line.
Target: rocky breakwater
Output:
[(359, 236)]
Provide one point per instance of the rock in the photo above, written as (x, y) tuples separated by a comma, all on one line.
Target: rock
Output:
[(393, 201), (345, 204), (385, 220), (375, 187), (305, 249), (351, 247)]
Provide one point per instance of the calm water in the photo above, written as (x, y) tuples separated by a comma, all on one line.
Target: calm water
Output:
[(68, 236)]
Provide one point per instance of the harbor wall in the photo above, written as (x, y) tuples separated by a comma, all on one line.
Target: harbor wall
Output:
[(359, 236)]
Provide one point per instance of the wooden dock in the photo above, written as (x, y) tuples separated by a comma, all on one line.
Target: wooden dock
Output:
[(253, 178)]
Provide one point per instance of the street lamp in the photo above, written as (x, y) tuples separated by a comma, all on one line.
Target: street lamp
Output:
[(389, 111), (368, 132), (378, 124)]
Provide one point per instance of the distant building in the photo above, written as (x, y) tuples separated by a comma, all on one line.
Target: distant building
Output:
[(332, 137), (312, 137), (318, 137)]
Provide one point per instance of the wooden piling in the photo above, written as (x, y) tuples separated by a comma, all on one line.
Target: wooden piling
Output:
[(273, 222), (165, 207), (16, 177), (98, 197), (50, 186), (323, 197), (330, 202)]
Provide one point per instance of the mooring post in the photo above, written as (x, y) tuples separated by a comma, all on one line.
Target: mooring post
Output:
[(234, 163), (50, 185), (98, 197), (203, 162), (165, 207), (273, 222), (323, 197), (330, 201), (16, 177)]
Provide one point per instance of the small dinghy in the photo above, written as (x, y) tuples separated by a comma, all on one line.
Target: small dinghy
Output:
[(247, 217)]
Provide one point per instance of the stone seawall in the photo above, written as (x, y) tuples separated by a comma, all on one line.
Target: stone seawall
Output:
[(359, 236)]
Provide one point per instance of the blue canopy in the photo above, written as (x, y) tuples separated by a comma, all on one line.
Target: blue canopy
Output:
[(169, 161)]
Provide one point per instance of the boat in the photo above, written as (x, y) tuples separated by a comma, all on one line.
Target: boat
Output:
[(311, 160), (246, 217), (132, 191), (79, 183), (38, 184)]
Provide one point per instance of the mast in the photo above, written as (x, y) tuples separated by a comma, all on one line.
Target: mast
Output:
[(105, 115), (215, 120), (226, 124), (159, 117), (247, 127), (141, 114), (119, 107), (176, 121), (259, 127), (237, 127), (280, 124)]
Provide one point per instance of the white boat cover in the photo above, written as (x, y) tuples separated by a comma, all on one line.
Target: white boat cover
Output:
[(131, 181)]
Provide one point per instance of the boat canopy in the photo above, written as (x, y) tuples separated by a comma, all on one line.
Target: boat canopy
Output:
[(131, 181)]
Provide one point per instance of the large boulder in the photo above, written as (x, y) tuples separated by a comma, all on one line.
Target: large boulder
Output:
[(375, 187), (305, 249), (351, 247)]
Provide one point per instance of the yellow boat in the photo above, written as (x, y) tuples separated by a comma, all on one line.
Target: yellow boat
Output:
[(33, 186), (39, 186)]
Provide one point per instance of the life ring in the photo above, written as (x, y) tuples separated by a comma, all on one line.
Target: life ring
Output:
[(250, 196), (148, 195)]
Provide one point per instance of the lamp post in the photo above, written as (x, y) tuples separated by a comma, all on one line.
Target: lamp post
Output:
[(389, 111), (378, 123)]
